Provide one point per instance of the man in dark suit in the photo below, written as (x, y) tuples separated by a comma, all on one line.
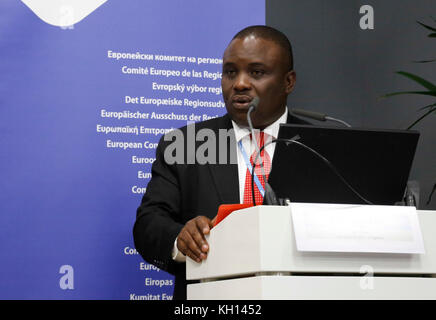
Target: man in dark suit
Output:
[(182, 198)]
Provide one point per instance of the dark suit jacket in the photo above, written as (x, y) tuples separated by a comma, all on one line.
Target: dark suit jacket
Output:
[(178, 193)]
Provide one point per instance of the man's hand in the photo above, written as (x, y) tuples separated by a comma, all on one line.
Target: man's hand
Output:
[(191, 241)]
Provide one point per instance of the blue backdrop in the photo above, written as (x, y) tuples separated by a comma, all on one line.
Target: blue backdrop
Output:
[(70, 183)]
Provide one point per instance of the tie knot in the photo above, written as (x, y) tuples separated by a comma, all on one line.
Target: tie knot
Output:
[(258, 178)]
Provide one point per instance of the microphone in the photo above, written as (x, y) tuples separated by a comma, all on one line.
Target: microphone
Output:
[(269, 195), (317, 116)]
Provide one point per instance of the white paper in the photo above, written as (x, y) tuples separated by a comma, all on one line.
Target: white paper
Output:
[(356, 228)]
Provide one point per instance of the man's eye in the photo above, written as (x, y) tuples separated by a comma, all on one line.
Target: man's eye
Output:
[(257, 73), (230, 72)]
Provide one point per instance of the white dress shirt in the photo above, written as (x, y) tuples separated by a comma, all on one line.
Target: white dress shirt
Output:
[(243, 133)]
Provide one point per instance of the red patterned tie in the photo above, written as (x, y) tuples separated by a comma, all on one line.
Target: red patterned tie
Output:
[(248, 198)]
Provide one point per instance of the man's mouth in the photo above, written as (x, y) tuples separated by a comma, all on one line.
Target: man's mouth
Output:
[(241, 102)]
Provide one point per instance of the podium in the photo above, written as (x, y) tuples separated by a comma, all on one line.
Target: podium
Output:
[(253, 256)]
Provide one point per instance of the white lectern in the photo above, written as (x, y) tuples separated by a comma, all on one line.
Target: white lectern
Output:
[(253, 256)]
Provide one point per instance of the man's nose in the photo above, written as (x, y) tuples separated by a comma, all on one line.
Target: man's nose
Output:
[(242, 82)]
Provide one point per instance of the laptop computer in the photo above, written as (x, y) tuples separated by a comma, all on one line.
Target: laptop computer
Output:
[(376, 163)]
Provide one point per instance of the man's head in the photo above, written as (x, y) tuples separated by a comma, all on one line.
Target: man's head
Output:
[(258, 62)]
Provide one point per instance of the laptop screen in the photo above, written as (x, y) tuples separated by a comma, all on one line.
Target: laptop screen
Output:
[(376, 163)]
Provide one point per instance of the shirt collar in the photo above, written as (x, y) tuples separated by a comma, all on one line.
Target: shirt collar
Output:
[(272, 130)]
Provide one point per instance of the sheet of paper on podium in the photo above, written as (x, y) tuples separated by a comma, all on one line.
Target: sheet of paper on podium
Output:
[(356, 228)]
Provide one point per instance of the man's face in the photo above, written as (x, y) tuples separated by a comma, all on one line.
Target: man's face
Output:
[(255, 67)]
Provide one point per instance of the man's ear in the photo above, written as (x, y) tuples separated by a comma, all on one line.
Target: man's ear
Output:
[(291, 78)]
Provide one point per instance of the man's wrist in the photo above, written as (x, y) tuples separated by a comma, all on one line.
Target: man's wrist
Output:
[(176, 254)]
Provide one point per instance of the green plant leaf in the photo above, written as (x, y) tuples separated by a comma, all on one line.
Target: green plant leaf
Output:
[(426, 26), (423, 82), (420, 118), (429, 106), (426, 93), (426, 84)]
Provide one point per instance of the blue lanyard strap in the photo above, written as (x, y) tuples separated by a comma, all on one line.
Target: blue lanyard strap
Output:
[(250, 168)]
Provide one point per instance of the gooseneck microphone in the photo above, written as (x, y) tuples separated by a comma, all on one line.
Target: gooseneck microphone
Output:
[(253, 105), (269, 195), (317, 116)]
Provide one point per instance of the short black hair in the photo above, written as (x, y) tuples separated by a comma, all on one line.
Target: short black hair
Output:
[(269, 33)]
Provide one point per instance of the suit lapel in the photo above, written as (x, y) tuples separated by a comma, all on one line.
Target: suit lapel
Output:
[(225, 176)]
